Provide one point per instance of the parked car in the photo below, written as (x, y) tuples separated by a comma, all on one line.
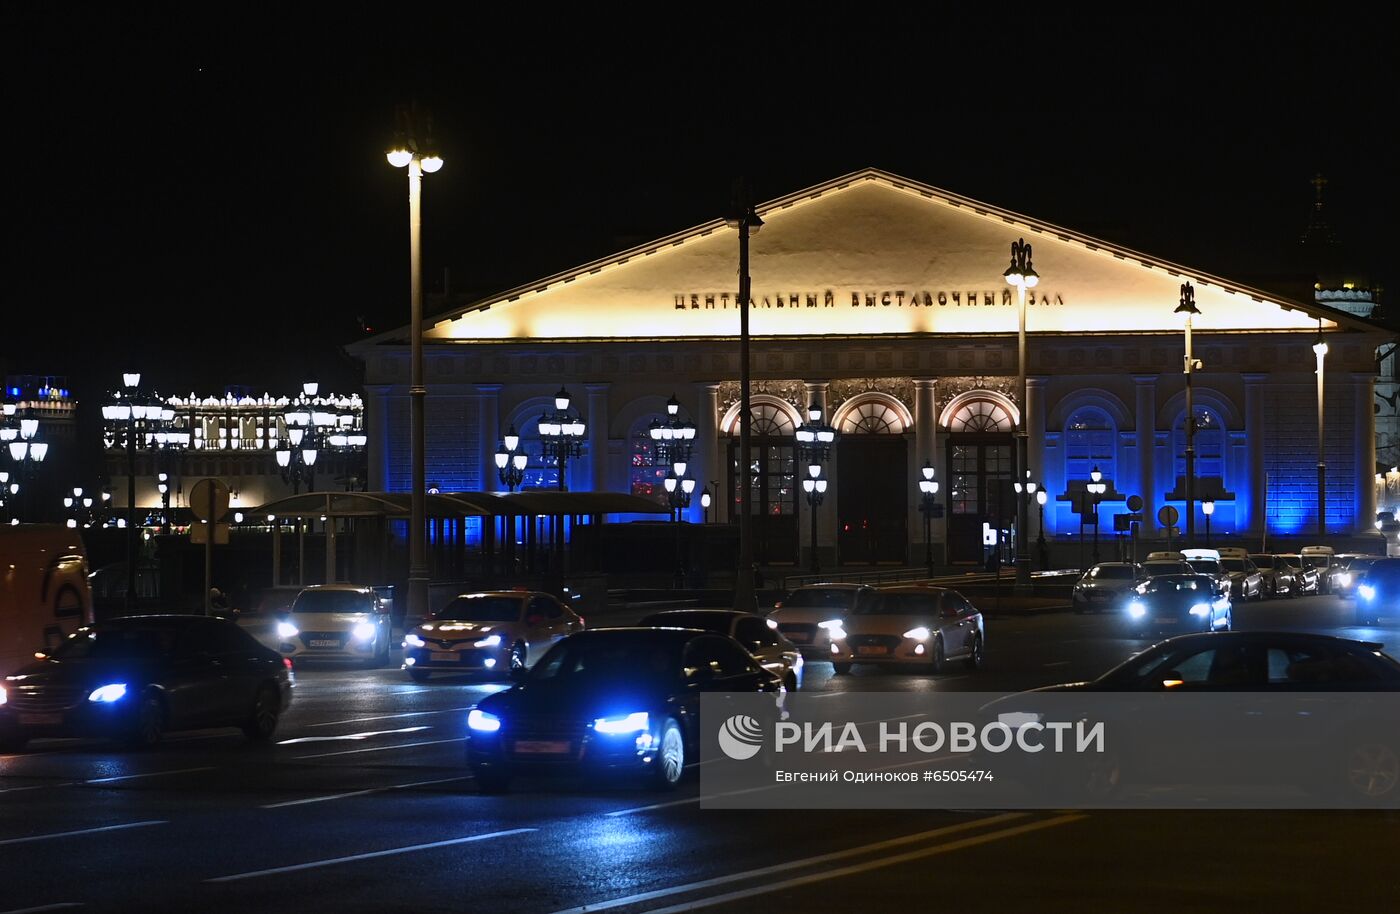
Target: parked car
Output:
[(337, 622), (1105, 586), (911, 625), (807, 614), (492, 631), (1321, 559), (612, 699), (757, 635), (1246, 581), (1306, 576), (135, 678), (1207, 562), (1179, 603), (1280, 578), (1153, 568)]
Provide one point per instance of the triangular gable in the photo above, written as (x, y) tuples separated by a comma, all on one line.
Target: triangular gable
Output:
[(870, 253)]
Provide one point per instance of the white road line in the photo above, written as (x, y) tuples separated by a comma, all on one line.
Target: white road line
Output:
[(353, 736), (84, 831), (360, 793), (45, 907), (371, 855), (667, 805), (153, 774), (869, 865), (796, 864), (362, 720), (1059, 663), (431, 742), (35, 787)]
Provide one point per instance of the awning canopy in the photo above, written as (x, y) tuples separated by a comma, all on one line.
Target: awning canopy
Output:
[(456, 504)]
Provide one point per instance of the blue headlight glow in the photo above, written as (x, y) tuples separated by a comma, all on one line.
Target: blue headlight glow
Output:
[(1136, 609), (109, 693), (630, 723), (1367, 592), (483, 722)]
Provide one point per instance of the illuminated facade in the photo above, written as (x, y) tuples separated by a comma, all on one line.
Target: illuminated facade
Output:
[(882, 300)]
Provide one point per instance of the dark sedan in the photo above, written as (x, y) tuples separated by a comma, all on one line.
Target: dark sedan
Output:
[(619, 699), (133, 679), (757, 635), (1378, 592), (1179, 603)]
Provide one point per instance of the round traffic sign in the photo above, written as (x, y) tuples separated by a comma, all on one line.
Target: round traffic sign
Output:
[(1168, 516), (1134, 503), (209, 499)]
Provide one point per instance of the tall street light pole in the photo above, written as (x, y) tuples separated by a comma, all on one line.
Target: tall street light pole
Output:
[(1188, 307), (1022, 275), (413, 148), (746, 220), (928, 504), (1096, 489), (1320, 350), (1040, 498)]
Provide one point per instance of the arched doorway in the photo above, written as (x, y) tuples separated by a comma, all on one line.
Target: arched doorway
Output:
[(980, 462), (872, 487), (773, 501)]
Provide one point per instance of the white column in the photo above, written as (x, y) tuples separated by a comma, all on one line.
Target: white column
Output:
[(1364, 447), (709, 467), (598, 436), (1146, 409), (1035, 430), (489, 419)]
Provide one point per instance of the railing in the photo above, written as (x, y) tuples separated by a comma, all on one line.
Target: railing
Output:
[(904, 575)]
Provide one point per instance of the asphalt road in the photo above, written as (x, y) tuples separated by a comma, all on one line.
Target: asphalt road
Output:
[(364, 805)]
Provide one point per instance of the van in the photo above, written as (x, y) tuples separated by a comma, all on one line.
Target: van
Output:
[(44, 595), (1165, 557)]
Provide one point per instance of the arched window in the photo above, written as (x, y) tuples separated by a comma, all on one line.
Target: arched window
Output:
[(1209, 444), (1089, 442), (768, 421), (872, 418), (981, 417)]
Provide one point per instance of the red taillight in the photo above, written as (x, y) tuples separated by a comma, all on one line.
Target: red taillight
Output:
[(287, 662), (582, 621)]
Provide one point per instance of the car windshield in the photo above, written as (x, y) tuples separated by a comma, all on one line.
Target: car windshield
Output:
[(898, 604), (610, 657), (1263, 561), (1233, 564), (122, 643), (1205, 566), (1315, 561), (1111, 573), (826, 598), (1173, 585), (1155, 568), (333, 601), (480, 609)]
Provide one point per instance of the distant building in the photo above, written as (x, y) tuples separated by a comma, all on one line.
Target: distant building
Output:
[(40, 419)]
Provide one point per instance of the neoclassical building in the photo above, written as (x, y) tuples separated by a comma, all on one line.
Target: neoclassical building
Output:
[(882, 300)]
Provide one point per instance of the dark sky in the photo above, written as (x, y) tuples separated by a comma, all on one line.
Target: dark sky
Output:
[(200, 190)]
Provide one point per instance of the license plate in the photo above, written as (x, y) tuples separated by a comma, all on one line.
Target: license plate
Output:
[(40, 720), (872, 649), (542, 747), (324, 642), (798, 637), (443, 655)]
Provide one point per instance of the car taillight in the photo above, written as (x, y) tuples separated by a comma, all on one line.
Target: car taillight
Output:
[(287, 662), (582, 621)]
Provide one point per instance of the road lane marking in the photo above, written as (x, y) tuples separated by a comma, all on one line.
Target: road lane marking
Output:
[(667, 805), (45, 907), (355, 736), (856, 868), (1059, 663), (84, 831), (431, 742), (360, 793), (362, 720), (796, 864), (135, 777), (371, 855)]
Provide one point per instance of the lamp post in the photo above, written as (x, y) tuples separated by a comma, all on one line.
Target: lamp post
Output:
[(814, 441), (27, 455), (1187, 306), (673, 439), (1096, 489), (1044, 554), (1026, 492), (746, 220), (561, 433), (413, 148), (679, 489), (132, 409), (1320, 350), (297, 459), (705, 504), (928, 504), (1023, 276), (510, 461), (1208, 508)]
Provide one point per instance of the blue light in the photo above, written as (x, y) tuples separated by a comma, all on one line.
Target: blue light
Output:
[(630, 723), (1367, 592), (482, 722), (109, 693)]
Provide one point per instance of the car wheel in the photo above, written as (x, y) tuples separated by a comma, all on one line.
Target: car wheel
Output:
[(935, 657), (13, 740), (418, 675), (975, 659), (267, 710), (148, 722), (670, 757), (841, 669), (1372, 771), (1270, 590), (491, 780)]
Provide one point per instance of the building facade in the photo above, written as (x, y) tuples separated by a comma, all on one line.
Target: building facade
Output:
[(882, 301)]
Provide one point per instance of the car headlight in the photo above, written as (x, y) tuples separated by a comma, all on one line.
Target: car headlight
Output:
[(3, 697), (1367, 592), (1344, 578), (1136, 609), (412, 640), (1200, 609), (364, 631), (483, 721), (287, 631), (627, 723), (835, 628), (492, 641), (918, 634), (109, 693)]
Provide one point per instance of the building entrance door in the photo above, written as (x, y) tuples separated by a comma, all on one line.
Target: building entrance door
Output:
[(979, 492), (872, 500), (772, 500)]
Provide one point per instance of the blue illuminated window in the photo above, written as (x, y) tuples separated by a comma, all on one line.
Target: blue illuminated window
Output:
[(1209, 445), (1089, 442)]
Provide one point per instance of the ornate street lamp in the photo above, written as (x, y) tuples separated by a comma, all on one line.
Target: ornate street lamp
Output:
[(1040, 498), (1320, 350), (814, 441), (1190, 365), (561, 433), (1023, 276), (673, 439), (511, 461), (1096, 489), (746, 220), (679, 490), (1208, 508), (815, 487), (1029, 490), (928, 505), (705, 498)]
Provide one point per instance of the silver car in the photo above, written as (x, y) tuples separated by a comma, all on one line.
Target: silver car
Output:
[(808, 615), (1105, 586), (758, 636)]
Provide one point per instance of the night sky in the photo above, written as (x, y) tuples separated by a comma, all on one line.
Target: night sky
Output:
[(203, 193)]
